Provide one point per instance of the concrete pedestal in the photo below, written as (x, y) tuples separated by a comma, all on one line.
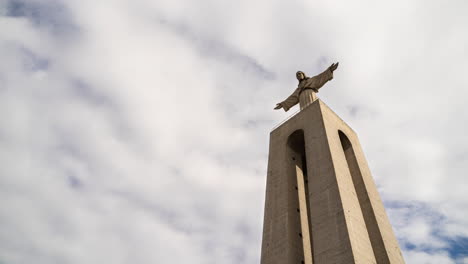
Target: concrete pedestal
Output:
[(322, 205)]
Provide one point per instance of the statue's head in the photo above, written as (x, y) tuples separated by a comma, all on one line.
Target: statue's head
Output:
[(300, 75)]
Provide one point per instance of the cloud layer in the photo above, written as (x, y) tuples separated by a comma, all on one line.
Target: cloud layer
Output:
[(137, 131)]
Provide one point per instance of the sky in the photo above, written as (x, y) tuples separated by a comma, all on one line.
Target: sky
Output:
[(137, 131)]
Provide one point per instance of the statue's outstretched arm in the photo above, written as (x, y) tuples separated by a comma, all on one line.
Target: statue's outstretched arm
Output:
[(291, 101), (333, 67), (316, 82)]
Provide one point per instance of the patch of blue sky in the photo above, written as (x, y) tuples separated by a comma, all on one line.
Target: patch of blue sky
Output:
[(458, 247), (455, 247)]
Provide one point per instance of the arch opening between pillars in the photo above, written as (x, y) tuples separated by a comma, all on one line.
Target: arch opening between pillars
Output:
[(367, 210), (300, 195)]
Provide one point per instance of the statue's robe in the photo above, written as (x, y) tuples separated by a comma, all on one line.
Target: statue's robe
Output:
[(314, 83)]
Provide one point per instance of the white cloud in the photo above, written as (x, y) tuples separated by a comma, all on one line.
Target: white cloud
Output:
[(427, 258), (137, 131), (464, 260)]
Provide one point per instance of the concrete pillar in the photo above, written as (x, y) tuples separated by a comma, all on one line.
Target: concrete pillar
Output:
[(345, 220)]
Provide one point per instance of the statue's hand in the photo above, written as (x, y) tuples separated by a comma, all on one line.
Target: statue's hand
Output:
[(333, 66), (278, 106)]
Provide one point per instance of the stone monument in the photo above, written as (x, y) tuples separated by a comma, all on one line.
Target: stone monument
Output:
[(322, 205)]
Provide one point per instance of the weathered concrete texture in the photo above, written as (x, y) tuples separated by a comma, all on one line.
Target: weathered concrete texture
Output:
[(345, 221)]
